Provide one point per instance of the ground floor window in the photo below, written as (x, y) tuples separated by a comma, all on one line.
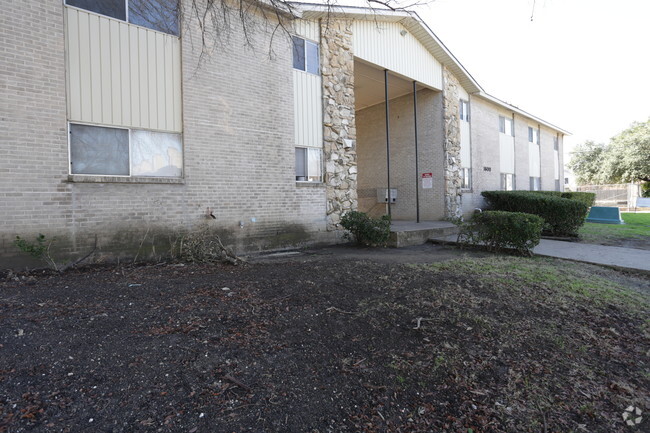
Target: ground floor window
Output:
[(466, 178), (108, 151), (557, 184), (535, 183), (507, 182), (308, 164)]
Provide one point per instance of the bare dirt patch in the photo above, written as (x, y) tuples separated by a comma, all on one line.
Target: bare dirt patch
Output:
[(333, 341)]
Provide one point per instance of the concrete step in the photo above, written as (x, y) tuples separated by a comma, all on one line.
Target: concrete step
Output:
[(409, 233)]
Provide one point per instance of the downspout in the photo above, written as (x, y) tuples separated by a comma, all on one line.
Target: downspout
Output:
[(417, 169), (387, 141)]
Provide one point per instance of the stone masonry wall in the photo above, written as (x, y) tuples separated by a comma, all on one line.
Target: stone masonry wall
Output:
[(339, 134), (451, 85)]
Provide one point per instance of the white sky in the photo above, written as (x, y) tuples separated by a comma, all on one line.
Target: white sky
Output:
[(583, 65)]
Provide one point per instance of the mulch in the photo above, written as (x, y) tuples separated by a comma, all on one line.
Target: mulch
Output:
[(319, 345)]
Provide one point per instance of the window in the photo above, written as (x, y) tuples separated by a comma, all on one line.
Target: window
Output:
[(507, 181), (160, 15), (506, 126), (466, 178), (308, 165), (557, 184), (305, 55), (535, 183), (98, 150), (533, 135), (464, 110), (556, 145)]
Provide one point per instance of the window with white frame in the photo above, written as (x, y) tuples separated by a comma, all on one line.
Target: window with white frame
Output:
[(533, 135), (109, 151), (160, 15), (535, 183), (506, 126), (466, 178), (305, 55), (507, 182), (308, 164), (464, 110)]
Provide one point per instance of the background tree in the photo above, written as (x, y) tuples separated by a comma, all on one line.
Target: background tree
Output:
[(586, 162), (625, 159)]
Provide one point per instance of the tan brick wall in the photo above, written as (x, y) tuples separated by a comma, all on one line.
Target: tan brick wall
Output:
[(238, 149), (371, 156)]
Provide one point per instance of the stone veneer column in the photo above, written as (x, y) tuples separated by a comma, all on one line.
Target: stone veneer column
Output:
[(339, 129), (451, 98)]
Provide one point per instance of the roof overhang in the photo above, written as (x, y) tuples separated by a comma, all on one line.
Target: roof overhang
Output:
[(418, 28)]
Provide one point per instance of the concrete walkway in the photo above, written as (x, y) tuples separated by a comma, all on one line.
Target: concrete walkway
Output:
[(628, 258), (624, 258)]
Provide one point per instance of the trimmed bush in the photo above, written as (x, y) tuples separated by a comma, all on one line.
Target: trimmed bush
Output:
[(562, 216), (366, 230), (499, 230), (587, 198)]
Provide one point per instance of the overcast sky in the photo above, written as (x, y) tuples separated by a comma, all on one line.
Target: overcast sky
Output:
[(583, 65)]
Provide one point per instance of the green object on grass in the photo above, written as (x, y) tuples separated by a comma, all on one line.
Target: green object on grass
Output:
[(605, 215)]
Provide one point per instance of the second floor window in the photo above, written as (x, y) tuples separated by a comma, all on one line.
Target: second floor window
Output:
[(160, 15), (506, 126), (464, 110), (305, 55)]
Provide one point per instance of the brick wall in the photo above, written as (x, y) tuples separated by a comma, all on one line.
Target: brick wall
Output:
[(371, 156), (238, 150)]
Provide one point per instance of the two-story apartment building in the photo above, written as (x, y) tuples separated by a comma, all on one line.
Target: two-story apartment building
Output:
[(120, 123)]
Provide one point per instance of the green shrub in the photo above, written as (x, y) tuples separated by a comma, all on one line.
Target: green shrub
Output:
[(366, 230), (499, 230), (645, 189), (587, 198), (562, 216)]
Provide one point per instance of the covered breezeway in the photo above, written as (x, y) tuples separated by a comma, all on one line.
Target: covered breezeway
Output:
[(390, 108)]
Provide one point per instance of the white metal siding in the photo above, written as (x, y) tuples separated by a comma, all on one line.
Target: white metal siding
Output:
[(307, 29), (120, 74), (533, 160), (382, 44), (556, 164), (506, 153), (307, 104)]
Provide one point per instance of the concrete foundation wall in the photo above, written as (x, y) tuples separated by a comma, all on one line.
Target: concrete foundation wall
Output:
[(371, 156), (238, 152)]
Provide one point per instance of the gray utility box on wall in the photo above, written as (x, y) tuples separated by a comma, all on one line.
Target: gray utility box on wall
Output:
[(382, 195)]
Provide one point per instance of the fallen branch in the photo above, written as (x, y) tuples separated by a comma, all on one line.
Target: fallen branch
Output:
[(237, 382), (331, 309), (419, 320)]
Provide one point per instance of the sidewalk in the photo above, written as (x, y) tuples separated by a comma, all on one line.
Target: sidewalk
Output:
[(624, 258)]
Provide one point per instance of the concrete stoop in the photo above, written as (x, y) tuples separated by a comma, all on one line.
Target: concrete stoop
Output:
[(410, 233)]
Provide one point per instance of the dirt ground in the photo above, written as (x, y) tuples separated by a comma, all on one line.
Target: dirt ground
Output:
[(331, 340)]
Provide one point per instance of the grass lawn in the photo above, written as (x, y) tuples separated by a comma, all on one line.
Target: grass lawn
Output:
[(325, 343), (635, 231)]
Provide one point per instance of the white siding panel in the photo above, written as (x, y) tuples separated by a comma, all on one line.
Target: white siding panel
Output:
[(119, 74), (382, 44), (556, 165), (307, 29), (465, 149), (506, 153), (307, 102)]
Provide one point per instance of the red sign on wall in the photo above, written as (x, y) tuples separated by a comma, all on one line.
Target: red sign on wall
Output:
[(427, 180)]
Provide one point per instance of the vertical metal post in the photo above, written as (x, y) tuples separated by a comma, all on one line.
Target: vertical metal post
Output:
[(417, 168), (387, 139)]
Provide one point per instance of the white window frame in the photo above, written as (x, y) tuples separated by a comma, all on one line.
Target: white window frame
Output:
[(126, 18), (306, 42), (463, 108), (320, 176), (464, 187), (130, 175), (503, 178), (502, 126)]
